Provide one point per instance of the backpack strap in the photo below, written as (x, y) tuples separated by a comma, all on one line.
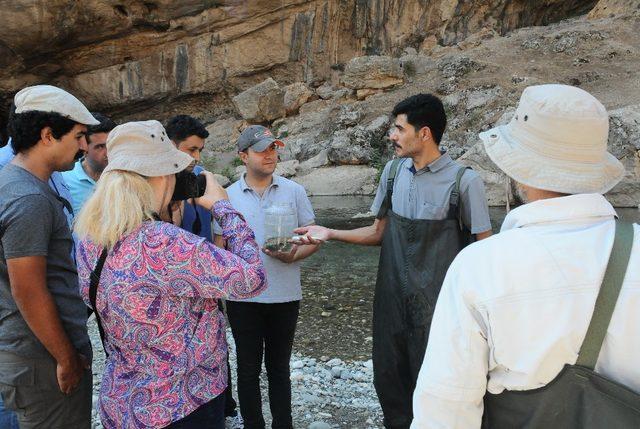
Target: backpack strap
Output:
[(93, 291), (608, 295), (386, 204), (454, 198)]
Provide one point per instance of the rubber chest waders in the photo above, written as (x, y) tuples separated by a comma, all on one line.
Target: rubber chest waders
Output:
[(414, 259)]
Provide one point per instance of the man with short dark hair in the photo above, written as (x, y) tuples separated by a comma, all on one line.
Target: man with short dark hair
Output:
[(428, 207), (8, 419), (87, 170), (189, 134), (45, 352)]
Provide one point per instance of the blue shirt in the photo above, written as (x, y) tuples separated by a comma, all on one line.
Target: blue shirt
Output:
[(189, 216), (56, 182), (283, 280), (80, 185)]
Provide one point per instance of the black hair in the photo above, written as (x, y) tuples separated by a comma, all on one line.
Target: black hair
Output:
[(181, 127), (424, 110), (24, 128), (106, 124), (7, 133)]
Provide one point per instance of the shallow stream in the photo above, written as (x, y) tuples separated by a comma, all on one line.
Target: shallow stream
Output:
[(338, 283)]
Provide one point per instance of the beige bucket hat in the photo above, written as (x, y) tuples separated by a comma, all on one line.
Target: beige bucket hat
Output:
[(556, 141), (144, 148), (47, 98)]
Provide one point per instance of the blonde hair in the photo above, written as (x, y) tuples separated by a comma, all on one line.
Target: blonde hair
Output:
[(120, 203)]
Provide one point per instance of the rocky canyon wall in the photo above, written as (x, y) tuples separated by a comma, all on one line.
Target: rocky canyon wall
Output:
[(126, 56), (325, 74)]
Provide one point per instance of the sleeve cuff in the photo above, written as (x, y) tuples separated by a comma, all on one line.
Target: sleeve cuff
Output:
[(221, 208), (481, 228), (451, 393)]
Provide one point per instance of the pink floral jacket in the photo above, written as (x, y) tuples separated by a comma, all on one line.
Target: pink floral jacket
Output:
[(163, 332)]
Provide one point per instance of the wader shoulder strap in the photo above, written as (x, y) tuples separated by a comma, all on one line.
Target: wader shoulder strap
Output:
[(386, 204), (93, 291), (608, 295), (454, 199)]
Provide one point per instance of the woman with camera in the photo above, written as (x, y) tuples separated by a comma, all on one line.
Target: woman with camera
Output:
[(154, 286)]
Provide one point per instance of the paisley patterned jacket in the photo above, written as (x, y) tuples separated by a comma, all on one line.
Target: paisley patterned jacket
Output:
[(163, 332)]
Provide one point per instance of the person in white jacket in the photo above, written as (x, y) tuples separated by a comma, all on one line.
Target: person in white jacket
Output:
[(514, 309)]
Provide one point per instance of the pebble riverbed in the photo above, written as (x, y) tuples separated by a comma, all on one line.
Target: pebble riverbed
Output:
[(326, 392)]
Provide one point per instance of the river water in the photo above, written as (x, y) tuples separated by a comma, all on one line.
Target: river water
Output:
[(338, 283)]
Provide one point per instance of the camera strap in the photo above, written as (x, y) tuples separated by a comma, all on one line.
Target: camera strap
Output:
[(196, 227), (93, 292)]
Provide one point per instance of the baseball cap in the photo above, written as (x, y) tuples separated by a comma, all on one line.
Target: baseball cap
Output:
[(257, 138), (48, 98)]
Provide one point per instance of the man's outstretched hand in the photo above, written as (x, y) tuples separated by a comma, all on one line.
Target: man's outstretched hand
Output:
[(312, 234)]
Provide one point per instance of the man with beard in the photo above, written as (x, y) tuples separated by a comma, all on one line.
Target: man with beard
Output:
[(86, 172), (188, 134), (529, 330), (45, 352), (265, 325), (428, 208)]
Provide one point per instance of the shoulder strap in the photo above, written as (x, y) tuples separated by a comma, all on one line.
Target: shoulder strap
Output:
[(386, 204), (608, 295), (93, 291), (454, 199)]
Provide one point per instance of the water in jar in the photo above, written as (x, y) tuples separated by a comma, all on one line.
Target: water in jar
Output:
[(279, 222)]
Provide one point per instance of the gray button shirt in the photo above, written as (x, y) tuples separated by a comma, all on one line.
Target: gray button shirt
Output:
[(283, 280), (424, 194), (32, 223)]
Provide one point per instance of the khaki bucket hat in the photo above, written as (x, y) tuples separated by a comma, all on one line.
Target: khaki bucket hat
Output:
[(144, 148), (556, 141)]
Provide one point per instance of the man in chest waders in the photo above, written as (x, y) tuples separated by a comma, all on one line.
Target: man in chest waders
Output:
[(428, 207), (538, 327)]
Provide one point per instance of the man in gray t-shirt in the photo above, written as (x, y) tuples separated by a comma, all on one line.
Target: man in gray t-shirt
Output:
[(427, 208), (33, 224), (45, 352)]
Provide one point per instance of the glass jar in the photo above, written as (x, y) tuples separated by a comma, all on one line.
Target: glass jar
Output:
[(279, 222)]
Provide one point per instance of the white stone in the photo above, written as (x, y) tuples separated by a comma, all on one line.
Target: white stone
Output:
[(296, 376), (287, 168), (340, 180), (334, 362), (320, 160), (320, 425)]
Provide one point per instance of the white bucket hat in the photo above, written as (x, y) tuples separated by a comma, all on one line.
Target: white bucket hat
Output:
[(556, 141), (144, 148), (47, 98)]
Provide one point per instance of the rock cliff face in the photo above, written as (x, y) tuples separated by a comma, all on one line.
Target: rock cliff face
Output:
[(129, 55), (325, 74)]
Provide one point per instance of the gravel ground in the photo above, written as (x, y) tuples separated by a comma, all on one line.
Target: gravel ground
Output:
[(326, 392), (331, 375)]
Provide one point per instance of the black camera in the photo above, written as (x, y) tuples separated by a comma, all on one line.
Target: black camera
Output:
[(189, 185)]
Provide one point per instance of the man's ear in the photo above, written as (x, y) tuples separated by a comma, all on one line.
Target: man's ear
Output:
[(46, 136), (425, 134), (243, 156)]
